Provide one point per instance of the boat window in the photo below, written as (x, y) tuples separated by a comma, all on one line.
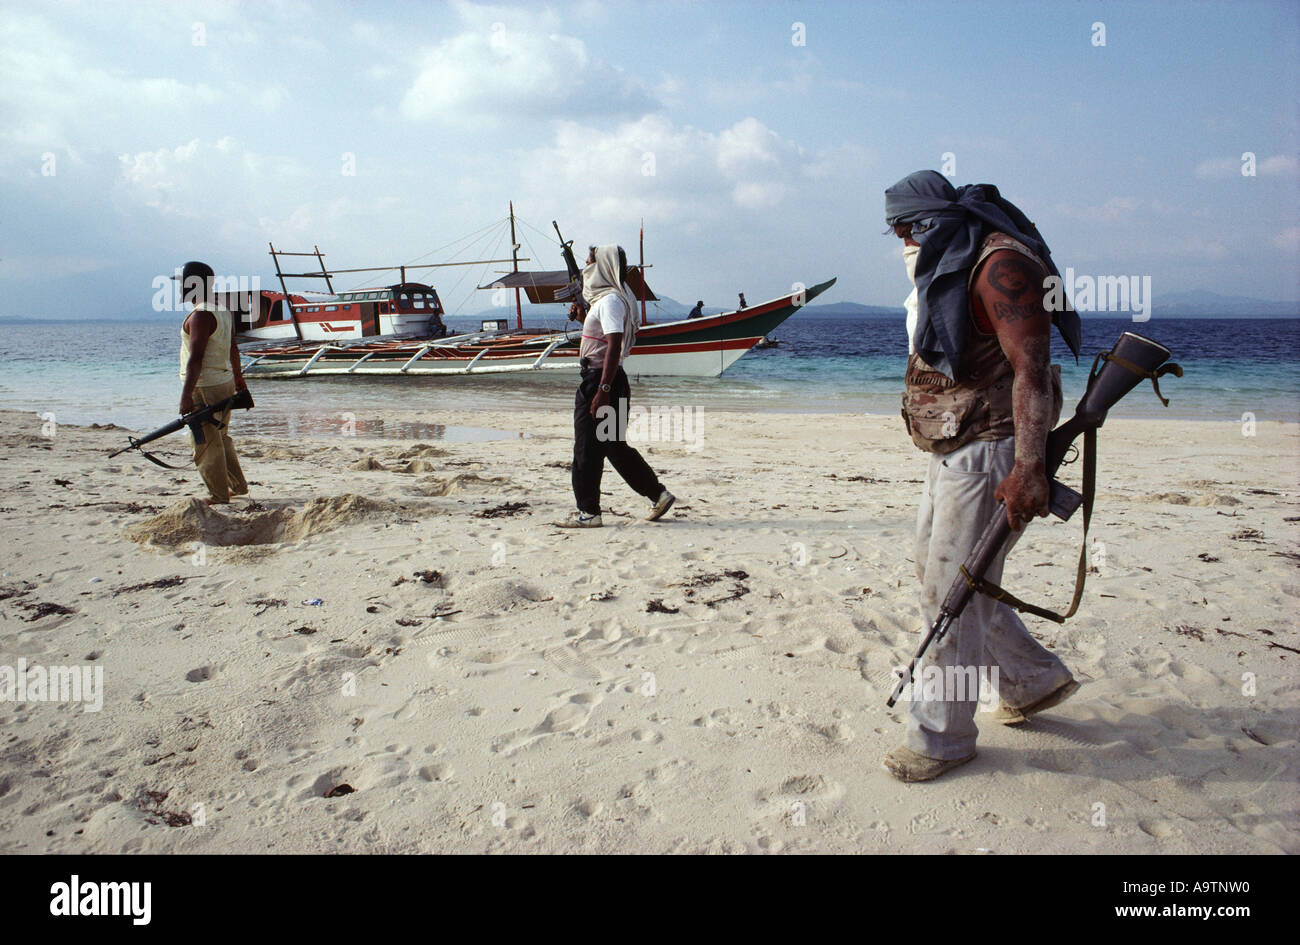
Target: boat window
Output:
[(331, 308), (417, 300), (403, 299)]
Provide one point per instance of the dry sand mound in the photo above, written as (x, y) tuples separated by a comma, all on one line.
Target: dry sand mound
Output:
[(367, 462), (190, 520), (437, 486), (1203, 499), (499, 596), (419, 466), (422, 451)]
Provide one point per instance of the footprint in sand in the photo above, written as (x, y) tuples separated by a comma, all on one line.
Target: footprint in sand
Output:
[(566, 719)]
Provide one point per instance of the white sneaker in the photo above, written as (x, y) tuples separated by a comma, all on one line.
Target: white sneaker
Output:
[(580, 519), (664, 503)]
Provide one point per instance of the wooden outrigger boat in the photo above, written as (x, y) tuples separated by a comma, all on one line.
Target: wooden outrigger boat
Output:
[(398, 330)]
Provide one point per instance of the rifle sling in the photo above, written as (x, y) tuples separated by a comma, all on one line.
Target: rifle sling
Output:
[(989, 589), (158, 462), (165, 465)]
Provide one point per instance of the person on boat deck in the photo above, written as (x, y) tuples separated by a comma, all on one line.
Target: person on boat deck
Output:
[(742, 300), (210, 372), (601, 404), (980, 398), (698, 311)]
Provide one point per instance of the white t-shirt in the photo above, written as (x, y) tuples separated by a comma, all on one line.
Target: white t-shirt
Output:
[(607, 316)]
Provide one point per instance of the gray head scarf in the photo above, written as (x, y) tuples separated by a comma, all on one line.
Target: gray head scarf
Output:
[(950, 224)]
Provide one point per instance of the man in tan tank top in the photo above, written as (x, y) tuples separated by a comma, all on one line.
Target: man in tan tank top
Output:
[(982, 409), (209, 367)]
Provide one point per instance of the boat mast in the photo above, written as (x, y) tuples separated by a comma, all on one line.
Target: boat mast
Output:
[(643, 282), (293, 316), (325, 272), (514, 253)]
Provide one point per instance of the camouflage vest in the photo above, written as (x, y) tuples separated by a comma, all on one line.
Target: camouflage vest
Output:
[(943, 415)]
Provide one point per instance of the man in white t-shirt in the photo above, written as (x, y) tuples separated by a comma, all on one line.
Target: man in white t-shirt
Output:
[(600, 406)]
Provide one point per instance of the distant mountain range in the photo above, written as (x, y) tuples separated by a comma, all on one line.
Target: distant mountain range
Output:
[(1202, 304), (1191, 304)]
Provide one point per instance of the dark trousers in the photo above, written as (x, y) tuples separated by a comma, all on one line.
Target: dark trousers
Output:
[(595, 441)]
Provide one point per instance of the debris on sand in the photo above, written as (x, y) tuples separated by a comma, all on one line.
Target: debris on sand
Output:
[(500, 511), (659, 607), (17, 591), (150, 804), (44, 609), (429, 577), (266, 603), (707, 579), (339, 790), (704, 579), (159, 584)]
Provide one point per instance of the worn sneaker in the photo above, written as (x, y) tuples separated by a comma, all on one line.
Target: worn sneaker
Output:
[(581, 520), (662, 505), (1010, 715), (912, 766)]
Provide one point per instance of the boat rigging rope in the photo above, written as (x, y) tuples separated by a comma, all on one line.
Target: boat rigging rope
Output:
[(482, 232)]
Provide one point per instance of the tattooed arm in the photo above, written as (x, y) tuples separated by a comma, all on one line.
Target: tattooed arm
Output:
[(1008, 290)]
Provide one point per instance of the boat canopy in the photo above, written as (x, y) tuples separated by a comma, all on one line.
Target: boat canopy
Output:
[(542, 286)]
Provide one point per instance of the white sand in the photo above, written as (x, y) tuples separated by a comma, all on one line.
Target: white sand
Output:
[(552, 712)]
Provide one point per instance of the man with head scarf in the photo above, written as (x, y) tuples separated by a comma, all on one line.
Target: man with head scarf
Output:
[(981, 397), (601, 404)]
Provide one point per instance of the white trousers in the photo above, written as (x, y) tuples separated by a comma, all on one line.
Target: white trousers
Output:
[(989, 638)]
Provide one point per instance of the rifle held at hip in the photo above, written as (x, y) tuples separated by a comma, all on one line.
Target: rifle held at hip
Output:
[(1132, 360)]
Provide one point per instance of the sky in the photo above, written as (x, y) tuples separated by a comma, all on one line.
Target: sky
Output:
[(755, 140)]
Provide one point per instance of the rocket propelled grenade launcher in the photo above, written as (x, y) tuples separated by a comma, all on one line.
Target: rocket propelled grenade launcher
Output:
[(1114, 373), (194, 420)]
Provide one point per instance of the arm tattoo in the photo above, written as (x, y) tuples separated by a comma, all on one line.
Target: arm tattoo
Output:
[(1015, 281)]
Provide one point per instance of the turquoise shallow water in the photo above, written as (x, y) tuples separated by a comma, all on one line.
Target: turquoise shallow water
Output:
[(125, 373)]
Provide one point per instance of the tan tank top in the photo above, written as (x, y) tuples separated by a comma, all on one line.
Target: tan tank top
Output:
[(216, 356), (942, 414)]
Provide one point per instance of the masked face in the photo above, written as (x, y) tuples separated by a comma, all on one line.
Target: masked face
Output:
[(910, 253)]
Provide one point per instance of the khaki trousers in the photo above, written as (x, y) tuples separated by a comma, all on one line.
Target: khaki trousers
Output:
[(215, 456)]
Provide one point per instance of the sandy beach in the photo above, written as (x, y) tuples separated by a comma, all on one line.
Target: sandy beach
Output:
[(473, 679)]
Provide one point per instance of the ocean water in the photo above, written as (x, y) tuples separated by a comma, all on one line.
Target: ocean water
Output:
[(126, 373)]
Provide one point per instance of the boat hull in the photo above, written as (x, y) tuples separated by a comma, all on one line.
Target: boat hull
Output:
[(702, 347)]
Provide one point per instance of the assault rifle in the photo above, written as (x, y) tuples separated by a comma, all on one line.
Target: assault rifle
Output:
[(194, 420), (1114, 373), (573, 291)]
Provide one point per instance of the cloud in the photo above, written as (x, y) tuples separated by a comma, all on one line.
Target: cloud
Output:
[(231, 193), (655, 169), (1288, 240), (508, 64), (1276, 165), (1115, 209)]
